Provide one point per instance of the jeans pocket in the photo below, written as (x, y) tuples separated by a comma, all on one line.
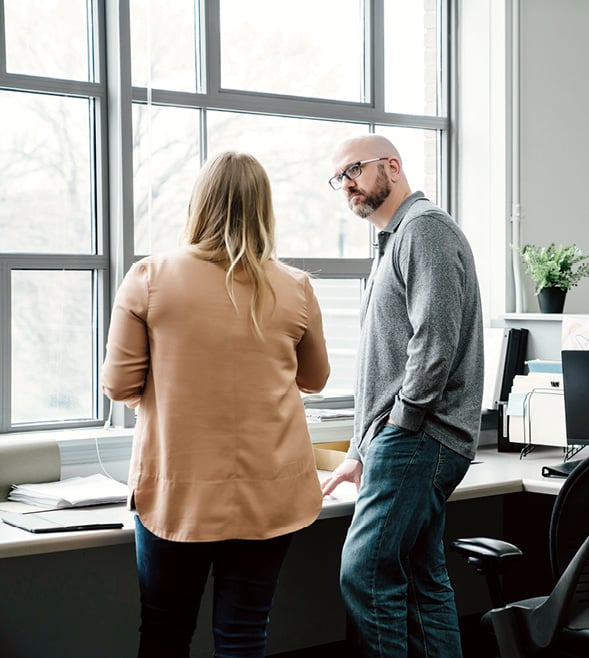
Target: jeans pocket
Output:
[(450, 470)]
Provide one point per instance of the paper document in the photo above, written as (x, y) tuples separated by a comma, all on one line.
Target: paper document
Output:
[(27, 459), (329, 414), (542, 365), (536, 410), (73, 492), (575, 333)]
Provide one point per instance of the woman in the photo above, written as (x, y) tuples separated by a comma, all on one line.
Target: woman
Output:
[(213, 342)]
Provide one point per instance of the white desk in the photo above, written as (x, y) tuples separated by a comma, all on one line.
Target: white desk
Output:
[(491, 474), (73, 586)]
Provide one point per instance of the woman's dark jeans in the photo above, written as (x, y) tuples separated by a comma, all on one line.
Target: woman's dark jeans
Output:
[(172, 577)]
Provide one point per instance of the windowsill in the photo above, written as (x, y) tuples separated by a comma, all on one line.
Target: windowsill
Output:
[(541, 317), (85, 446), (74, 434), (83, 450), (91, 446)]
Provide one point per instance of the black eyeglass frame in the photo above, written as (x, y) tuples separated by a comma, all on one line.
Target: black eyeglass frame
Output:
[(336, 181)]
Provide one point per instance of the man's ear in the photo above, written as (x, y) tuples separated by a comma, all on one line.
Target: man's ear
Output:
[(394, 168)]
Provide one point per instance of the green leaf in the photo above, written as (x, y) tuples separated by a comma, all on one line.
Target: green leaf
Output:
[(554, 267)]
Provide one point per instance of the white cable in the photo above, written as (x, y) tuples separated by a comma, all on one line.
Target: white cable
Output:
[(108, 423), (108, 475)]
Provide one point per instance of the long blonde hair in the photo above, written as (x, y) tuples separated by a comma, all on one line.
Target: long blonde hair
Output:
[(231, 222)]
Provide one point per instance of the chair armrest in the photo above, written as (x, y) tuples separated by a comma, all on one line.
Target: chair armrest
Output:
[(487, 554)]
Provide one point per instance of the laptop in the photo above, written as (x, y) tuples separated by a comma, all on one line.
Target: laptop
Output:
[(62, 520)]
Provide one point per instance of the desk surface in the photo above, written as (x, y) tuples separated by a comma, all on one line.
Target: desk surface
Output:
[(491, 474)]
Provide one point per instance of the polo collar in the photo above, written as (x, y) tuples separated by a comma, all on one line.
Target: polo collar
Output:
[(401, 211), (384, 234)]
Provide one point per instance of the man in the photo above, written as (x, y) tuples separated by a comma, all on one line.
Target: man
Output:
[(418, 406)]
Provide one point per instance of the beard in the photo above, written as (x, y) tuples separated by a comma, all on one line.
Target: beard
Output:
[(373, 200)]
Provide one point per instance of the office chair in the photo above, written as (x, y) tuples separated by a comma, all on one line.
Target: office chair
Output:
[(555, 625)]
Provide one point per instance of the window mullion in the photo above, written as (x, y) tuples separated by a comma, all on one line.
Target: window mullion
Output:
[(5, 334), (333, 268), (212, 63), (2, 40), (376, 58), (120, 168), (55, 262), (298, 107)]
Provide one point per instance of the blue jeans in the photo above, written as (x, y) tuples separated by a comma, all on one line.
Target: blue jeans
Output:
[(393, 575), (172, 577)]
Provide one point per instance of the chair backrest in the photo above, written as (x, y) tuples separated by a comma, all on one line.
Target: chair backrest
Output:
[(569, 523), (569, 527)]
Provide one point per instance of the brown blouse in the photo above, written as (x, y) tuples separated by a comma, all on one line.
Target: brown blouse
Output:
[(221, 447)]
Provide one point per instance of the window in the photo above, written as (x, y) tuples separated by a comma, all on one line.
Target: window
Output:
[(53, 228), (53, 354), (314, 62), (413, 35), (80, 203), (46, 185), (34, 45)]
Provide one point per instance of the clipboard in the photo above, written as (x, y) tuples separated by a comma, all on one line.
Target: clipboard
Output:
[(70, 520)]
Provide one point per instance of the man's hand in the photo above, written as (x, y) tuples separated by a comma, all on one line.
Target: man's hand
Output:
[(350, 470)]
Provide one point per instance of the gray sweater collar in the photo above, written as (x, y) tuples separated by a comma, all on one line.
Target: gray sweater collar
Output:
[(401, 211), (398, 217)]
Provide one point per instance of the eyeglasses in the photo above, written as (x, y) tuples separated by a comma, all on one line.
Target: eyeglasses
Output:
[(351, 172)]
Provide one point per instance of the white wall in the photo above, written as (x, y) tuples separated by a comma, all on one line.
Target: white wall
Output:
[(553, 138), (554, 131), (483, 156)]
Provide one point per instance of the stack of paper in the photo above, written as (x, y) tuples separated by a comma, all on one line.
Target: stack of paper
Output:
[(72, 492), (536, 409), (329, 414)]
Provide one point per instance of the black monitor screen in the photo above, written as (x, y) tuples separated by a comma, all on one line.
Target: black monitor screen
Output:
[(575, 374)]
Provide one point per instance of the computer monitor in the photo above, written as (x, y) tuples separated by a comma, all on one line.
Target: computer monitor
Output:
[(575, 378)]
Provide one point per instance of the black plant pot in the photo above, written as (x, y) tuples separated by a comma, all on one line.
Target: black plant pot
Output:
[(551, 300)]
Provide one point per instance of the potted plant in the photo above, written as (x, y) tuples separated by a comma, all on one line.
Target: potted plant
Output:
[(554, 271)]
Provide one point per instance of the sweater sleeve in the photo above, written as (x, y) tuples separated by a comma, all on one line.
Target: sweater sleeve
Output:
[(429, 261), (127, 353)]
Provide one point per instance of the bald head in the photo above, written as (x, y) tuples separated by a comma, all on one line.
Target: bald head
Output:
[(368, 146), (378, 187)]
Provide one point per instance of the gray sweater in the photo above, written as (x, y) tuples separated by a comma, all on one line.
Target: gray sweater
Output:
[(420, 358)]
